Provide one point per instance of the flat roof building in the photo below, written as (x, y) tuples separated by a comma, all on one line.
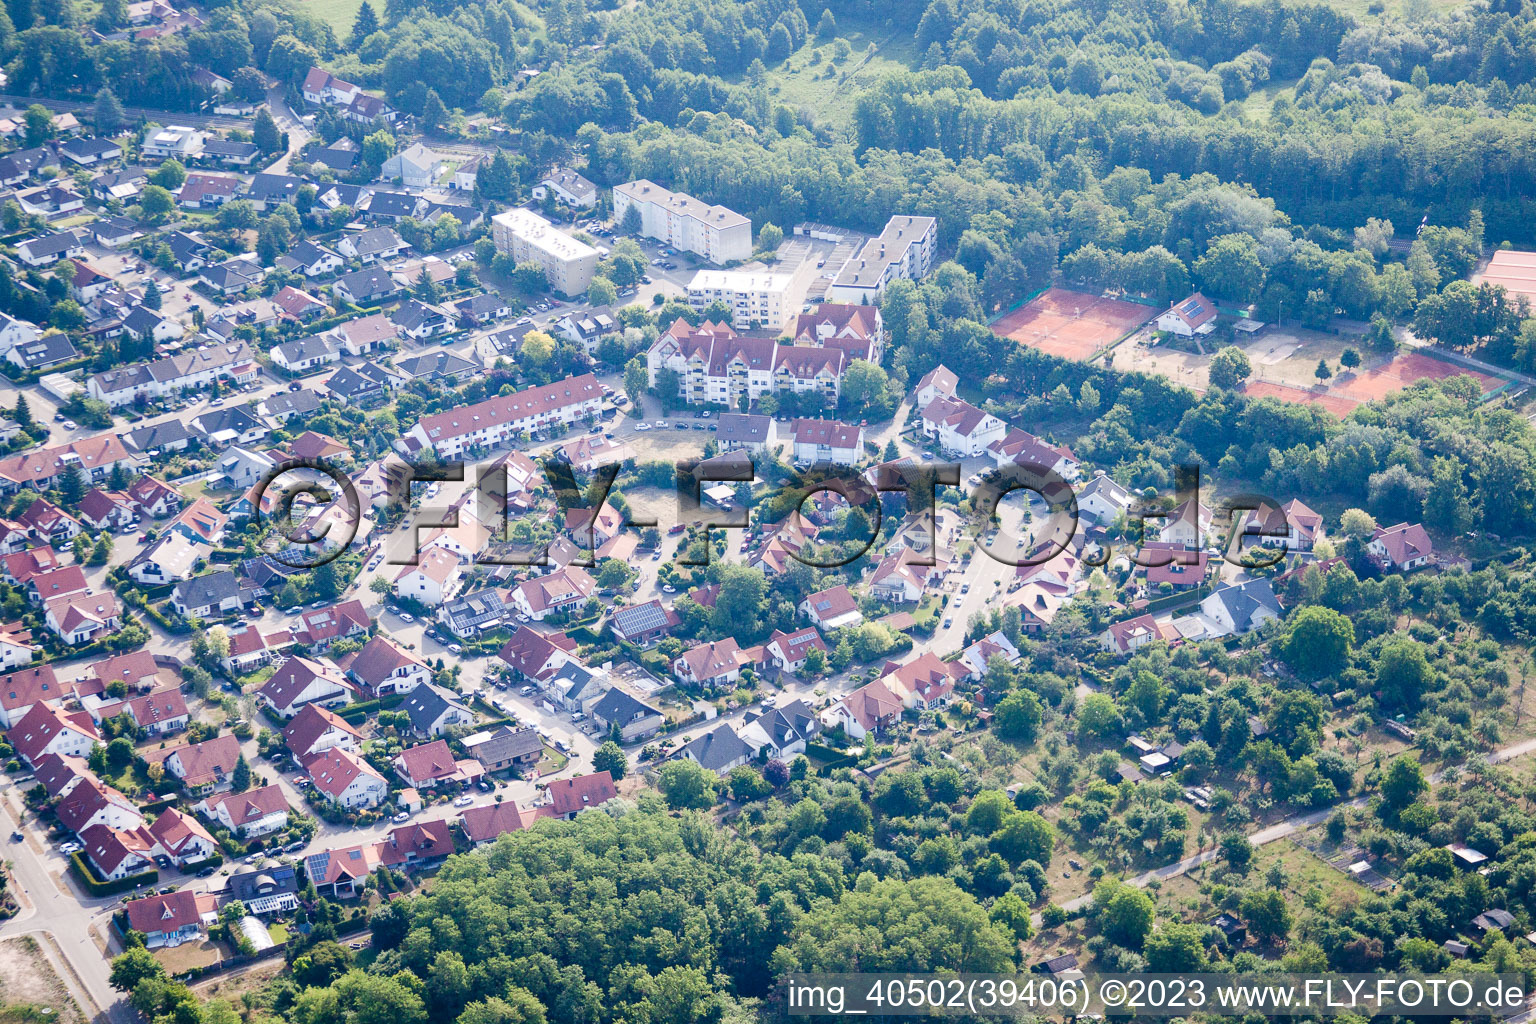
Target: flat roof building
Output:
[(568, 263), (904, 249)]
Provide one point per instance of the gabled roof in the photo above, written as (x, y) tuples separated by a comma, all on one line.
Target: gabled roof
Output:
[(310, 724), (567, 796), (171, 912), (250, 806), (38, 727), (336, 769), (717, 748), (486, 822)]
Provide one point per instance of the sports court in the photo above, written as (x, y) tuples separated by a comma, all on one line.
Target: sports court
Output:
[(1347, 391), (1514, 271), (1071, 325)]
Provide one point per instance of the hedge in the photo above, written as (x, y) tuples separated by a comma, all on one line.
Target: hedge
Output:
[(96, 887)]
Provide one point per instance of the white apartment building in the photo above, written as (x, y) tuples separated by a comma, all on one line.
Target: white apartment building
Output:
[(904, 249), (759, 296), (716, 233), (568, 264)]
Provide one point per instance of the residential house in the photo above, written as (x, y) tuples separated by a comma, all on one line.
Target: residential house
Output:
[(304, 354), (566, 798), (204, 767), (871, 708), (720, 750), (818, 442), (432, 764), (81, 618), (644, 622), (345, 779), (383, 669), (1402, 547), (300, 681), (314, 730), (833, 608), (961, 428), (633, 718), (208, 596), (567, 188), (504, 747), (712, 664), (561, 592), (169, 919), (366, 287), (249, 815), (433, 711), (46, 729), (433, 580), (416, 166)]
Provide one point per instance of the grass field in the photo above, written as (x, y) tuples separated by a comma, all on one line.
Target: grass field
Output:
[(826, 89), (340, 14)]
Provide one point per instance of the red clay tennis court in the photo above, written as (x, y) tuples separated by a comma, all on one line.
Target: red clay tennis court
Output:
[(1071, 325), (1344, 394)]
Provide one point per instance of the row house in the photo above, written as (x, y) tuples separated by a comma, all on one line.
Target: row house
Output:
[(497, 421)]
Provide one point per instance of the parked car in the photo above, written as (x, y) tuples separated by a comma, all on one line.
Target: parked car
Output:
[(17, 837), (464, 801), (401, 818)]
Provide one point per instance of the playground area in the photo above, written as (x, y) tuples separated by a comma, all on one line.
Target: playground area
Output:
[(1071, 325)]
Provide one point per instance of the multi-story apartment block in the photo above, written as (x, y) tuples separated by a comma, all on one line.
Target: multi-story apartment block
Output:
[(904, 249), (716, 233), (716, 366), (568, 263), (758, 296)]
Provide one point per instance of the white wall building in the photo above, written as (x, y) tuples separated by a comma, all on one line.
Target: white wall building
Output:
[(568, 263), (904, 249), (716, 233)]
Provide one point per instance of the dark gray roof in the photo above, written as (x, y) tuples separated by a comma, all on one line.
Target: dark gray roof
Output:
[(505, 743), (436, 365), (375, 239), (269, 881), (286, 402), (225, 149), (369, 281), (88, 146), (618, 707), (23, 161), (392, 204), (274, 188), (1244, 600), (208, 589), (414, 314), (51, 244), (717, 748), (45, 351), (743, 428), (158, 435), (236, 418), (426, 704), (300, 349)]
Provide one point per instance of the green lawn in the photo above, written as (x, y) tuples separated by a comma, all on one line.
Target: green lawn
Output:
[(339, 13), (826, 89)]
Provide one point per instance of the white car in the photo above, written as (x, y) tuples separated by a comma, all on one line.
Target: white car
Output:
[(659, 424), (70, 847), (642, 426), (464, 801), (407, 617), (402, 817)]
